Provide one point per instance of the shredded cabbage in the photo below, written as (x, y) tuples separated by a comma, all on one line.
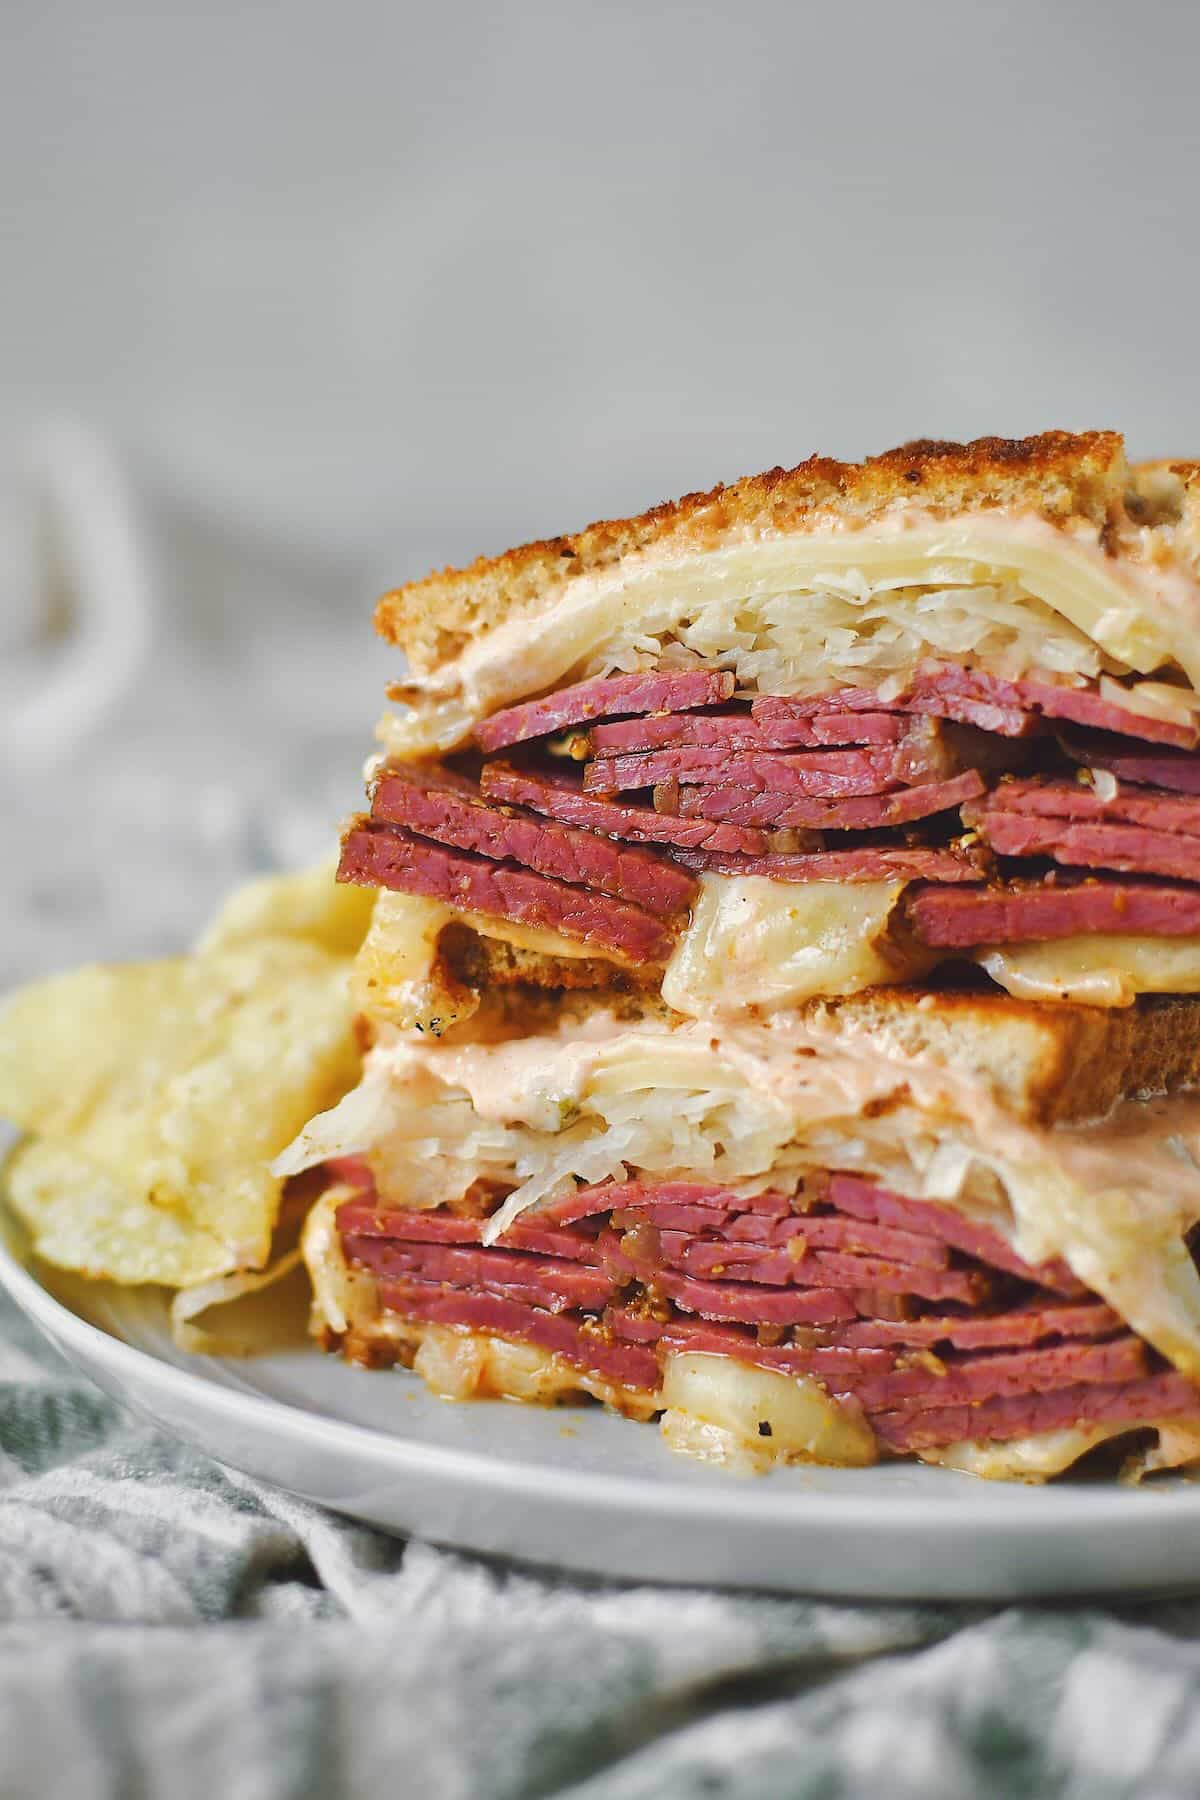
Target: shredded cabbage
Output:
[(649, 1099), (853, 631)]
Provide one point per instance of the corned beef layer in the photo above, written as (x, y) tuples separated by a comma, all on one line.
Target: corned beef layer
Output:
[(1017, 810), (926, 1321)]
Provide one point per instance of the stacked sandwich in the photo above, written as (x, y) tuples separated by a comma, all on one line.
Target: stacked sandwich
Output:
[(776, 994)]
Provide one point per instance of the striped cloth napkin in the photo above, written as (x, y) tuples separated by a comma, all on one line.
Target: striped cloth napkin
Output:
[(171, 1628)]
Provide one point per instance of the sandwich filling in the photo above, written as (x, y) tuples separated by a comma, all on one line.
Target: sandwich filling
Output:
[(913, 1329), (842, 603), (615, 1193), (668, 823), (661, 798), (838, 676)]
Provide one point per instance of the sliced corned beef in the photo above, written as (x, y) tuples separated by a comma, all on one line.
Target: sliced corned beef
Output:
[(1180, 772), (839, 1368), (751, 1305), (413, 795), (561, 797), (627, 1365), (1084, 706), (741, 731), (942, 692), (547, 1281), (610, 1196), (1026, 1415), (921, 1382), (973, 698), (1015, 1327), (633, 1324), (755, 1233), (358, 1218), (711, 1257), (1127, 849), (825, 772), (857, 728), (926, 751), (958, 918), (1023, 1363), (917, 862), (606, 697), (388, 856), (866, 1199), (773, 707), (668, 1215), (1080, 800), (816, 1268), (733, 797), (854, 813), (1177, 770), (1008, 708), (694, 731), (841, 1371)]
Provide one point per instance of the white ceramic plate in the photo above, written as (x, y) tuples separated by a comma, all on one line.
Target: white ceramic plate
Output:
[(583, 1490)]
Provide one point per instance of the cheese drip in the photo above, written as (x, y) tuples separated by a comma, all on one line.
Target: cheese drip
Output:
[(753, 942), (1103, 970), (748, 943)]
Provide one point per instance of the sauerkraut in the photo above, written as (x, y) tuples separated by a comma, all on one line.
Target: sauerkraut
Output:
[(854, 632)]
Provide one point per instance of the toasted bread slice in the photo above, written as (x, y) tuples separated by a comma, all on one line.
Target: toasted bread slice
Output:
[(488, 962), (1049, 1062), (1064, 476)]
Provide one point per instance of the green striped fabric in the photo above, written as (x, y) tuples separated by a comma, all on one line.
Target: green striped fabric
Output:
[(170, 1628)]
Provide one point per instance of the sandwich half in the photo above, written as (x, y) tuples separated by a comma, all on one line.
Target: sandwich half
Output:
[(923, 1223), (706, 845), (821, 730)]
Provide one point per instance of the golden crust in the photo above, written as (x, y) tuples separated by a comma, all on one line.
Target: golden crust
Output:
[(487, 963), (380, 1341), (1050, 1062), (1062, 475)]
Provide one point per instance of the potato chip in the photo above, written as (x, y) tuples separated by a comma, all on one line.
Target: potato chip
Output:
[(244, 1327), (310, 904), (183, 1079), (79, 1217)]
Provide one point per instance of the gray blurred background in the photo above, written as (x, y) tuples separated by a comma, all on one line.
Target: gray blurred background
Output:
[(348, 291)]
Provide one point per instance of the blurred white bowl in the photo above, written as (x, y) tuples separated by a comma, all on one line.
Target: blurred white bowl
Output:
[(76, 592)]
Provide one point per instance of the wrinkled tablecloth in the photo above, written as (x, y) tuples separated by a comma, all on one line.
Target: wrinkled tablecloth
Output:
[(170, 1629)]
